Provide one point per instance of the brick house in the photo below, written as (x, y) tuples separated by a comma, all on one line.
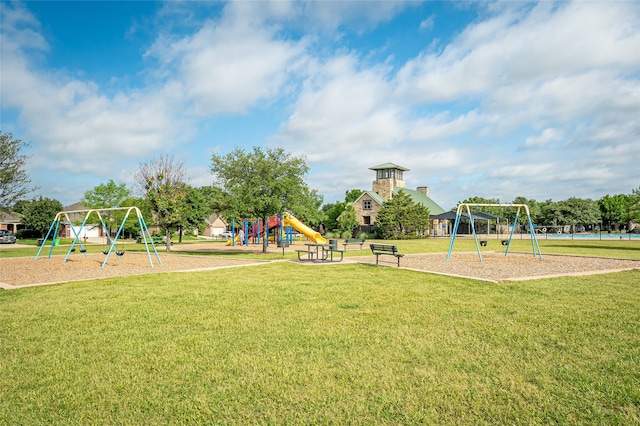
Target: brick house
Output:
[(11, 221)]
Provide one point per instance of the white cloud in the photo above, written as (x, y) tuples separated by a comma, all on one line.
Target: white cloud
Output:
[(442, 126), (427, 24), (548, 135), (74, 126), (342, 112), (558, 77), (229, 66), (522, 46)]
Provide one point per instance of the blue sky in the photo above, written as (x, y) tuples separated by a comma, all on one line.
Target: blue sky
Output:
[(491, 99)]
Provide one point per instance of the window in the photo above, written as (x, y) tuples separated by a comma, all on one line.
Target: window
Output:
[(366, 204), (366, 220)]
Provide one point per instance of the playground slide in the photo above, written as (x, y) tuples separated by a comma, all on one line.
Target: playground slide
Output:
[(236, 239), (314, 236)]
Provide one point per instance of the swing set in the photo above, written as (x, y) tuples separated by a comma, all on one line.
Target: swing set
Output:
[(535, 247), (64, 215)]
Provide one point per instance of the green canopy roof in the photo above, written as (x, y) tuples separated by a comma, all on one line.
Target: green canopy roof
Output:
[(420, 198), (388, 166)]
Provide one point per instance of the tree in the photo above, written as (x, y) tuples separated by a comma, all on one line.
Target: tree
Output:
[(217, 198), (14, 182), (196, 210), (401, 218), (106, 195), (481, 200), (162, 183), (550, 213), (633, 207), (262, 183), (348, 221), (352, 195), (534, 208), (579, 211), (614, 209), (332, 212), (39, 214), (308, 207), (131, 226)]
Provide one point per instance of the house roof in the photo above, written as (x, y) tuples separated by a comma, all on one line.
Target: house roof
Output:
[(10, 217), (389, 166), (373, 195), (213, 218), (420, 198), (75, 206)]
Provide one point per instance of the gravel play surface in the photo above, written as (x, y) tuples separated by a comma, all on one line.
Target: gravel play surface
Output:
[(498, 267), (23, 271), (20, 272)]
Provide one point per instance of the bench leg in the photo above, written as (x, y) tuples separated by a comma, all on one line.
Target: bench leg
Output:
[(309, 255)]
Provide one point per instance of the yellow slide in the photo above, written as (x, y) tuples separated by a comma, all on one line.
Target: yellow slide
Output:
[(314, 236), (236, 239)]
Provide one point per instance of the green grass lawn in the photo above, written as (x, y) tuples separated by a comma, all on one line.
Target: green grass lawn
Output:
[(285, 343)]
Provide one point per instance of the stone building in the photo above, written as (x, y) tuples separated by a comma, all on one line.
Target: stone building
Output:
[(389, 181)]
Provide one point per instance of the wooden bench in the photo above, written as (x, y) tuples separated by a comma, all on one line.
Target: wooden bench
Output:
[(353, 241), (380, 249)]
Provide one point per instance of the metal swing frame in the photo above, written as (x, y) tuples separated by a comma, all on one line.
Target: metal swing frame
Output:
[(55, 226), (535, 247)]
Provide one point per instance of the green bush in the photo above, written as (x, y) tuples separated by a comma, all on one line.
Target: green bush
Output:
[(27, 233)]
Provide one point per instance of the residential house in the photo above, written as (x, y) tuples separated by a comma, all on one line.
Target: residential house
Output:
[(11, 221), (215, 226)]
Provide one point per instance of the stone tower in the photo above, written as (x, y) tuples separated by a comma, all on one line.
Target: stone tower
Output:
[(388, 176)]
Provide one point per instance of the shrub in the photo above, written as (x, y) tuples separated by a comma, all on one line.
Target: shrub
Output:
[(27, 233)]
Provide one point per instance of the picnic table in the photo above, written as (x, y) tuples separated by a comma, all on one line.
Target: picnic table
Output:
[(319, 252)]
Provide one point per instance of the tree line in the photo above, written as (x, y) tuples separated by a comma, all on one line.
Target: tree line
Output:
[(610, 213), (262, 182)]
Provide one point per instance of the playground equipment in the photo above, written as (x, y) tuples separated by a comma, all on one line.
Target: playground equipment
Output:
[(274, 222), (55, 227), (459, 214), (290, 220), (250, 230)]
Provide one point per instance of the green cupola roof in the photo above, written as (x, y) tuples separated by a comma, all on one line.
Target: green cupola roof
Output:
[(389, 166)]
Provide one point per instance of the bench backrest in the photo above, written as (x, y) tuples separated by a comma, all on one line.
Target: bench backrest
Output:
[(383, 247)]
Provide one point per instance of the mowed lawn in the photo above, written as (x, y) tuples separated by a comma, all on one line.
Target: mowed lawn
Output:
[(285, 343)]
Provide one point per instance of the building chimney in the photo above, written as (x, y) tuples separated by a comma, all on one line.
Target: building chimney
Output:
[(424, 190)]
